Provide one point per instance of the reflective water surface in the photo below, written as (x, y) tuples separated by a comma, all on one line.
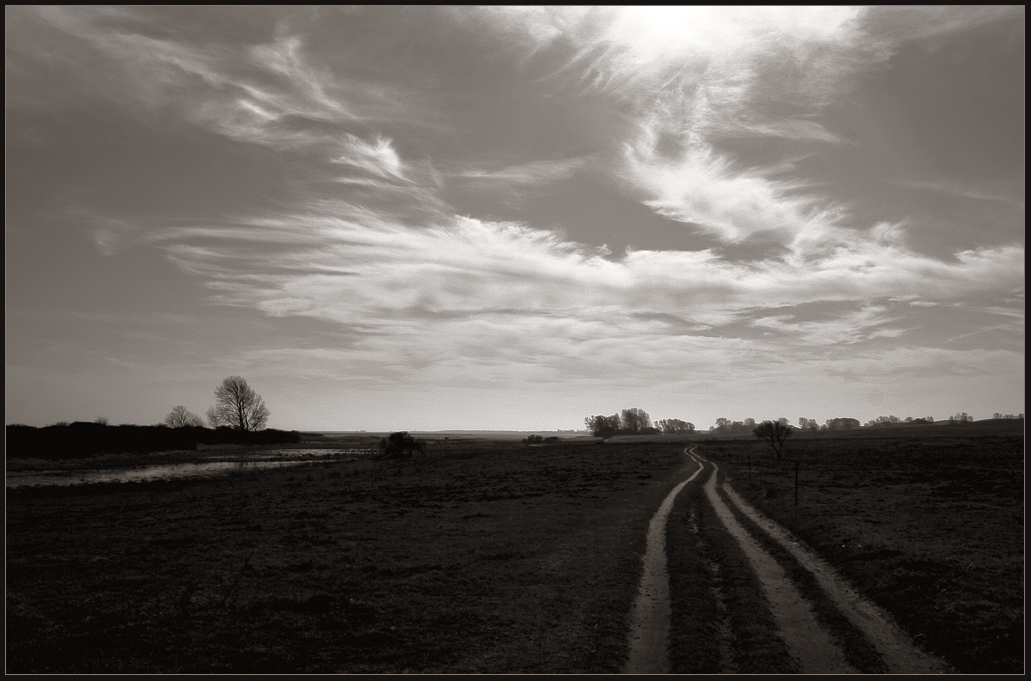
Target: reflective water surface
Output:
[(227, 463)]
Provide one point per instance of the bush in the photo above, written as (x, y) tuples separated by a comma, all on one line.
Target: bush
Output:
[(401, 445)]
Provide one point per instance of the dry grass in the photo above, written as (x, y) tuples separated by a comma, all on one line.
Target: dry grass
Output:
[(493, 557), (929, 526), (721, 622), (471, 559)]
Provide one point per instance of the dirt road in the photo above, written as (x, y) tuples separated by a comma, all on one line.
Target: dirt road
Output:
[(810, 643), (649, 627)]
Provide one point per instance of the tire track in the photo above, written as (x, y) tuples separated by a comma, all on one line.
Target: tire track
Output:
[(807, 640), (649, 621), (894, 646)]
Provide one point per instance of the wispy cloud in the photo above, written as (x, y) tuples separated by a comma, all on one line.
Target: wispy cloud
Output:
[(395, 226), (527, 174), (469, 293)]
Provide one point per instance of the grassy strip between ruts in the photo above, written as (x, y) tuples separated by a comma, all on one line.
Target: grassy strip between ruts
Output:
[(720, 618), (858, 651), (489, 559), (929, 528)]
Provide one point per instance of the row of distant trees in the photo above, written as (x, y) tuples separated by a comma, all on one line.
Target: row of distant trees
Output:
[(239, 415), (634, 421), (882, 421), (724, 426), (81, 439), (961, 417)]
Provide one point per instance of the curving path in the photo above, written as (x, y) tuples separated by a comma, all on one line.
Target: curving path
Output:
[(649, 622), (811, 644)]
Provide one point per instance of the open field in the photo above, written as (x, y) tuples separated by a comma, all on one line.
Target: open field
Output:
[(494, 557), (928, 526), (474, 558)]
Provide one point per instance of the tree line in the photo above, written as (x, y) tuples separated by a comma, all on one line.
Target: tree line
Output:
[(81, 439), (239, 416), (634, 421)]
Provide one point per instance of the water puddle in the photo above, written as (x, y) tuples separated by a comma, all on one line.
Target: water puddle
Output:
[(226, 465)]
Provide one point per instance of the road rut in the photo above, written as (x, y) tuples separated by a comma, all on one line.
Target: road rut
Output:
[(649, 627), (810, 643)]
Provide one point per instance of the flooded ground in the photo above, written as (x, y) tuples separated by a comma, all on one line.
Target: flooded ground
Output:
[(225, 464)]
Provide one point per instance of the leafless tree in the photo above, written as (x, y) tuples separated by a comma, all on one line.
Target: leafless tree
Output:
[(238, 406), (181, 417), (774, 432)]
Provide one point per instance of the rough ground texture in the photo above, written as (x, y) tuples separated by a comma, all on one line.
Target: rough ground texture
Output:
[(821, 629), (927, 523), (476, 558), (650, 619), (805, 638)]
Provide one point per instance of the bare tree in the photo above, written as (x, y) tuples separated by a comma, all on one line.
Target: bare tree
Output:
[(774, 432), (238, 406), (180, 417)]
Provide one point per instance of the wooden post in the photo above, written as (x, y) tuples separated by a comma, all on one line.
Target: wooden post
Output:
[(796, 483)]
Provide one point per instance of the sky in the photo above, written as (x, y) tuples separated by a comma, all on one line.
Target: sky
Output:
[(411, 218)]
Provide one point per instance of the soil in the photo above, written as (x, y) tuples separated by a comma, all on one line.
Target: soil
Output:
[(893, 644), (473, 558), (650, 619), (812, 645), (808, 642), (488, 557), (926, 523)]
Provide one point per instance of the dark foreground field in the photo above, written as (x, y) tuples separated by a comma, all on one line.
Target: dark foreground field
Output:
[(494, 557), (473, 558), (929, 525)]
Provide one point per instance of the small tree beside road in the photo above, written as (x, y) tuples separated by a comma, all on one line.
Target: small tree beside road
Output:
[(775, 433)]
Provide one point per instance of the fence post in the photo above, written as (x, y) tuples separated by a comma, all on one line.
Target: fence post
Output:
[(796, 483)]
